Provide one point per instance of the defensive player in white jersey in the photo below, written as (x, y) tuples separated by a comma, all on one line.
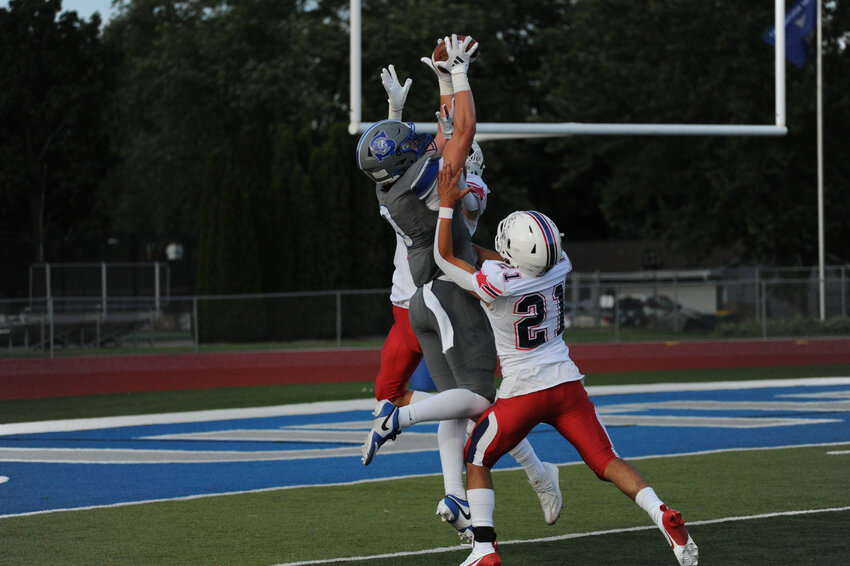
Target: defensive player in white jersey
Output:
[(401, 351), (523, 295)]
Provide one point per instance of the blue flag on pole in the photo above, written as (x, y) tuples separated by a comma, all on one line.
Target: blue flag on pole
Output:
[(799, 27)]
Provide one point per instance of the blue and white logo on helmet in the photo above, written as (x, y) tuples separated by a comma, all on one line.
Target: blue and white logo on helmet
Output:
[(382, 146)]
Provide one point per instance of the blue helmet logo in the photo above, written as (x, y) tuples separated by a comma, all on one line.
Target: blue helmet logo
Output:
[(382, 146)]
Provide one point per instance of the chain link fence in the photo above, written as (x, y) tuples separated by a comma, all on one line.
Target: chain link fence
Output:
[(759, 300)]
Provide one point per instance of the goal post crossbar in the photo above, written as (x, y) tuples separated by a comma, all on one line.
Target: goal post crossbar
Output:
[(499, 130)]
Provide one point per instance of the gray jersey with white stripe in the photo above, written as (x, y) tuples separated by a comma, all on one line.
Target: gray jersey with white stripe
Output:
[(471, 361), (410, 217)]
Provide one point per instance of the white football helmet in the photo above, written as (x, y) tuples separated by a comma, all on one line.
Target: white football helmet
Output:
[(529, 241), (475, 160)]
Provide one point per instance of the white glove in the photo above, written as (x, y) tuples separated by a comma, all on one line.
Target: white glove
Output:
[(444, 77), (445, 118), (396, 93), (460, 54)]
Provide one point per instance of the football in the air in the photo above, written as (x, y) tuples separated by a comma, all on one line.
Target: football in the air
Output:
[(440, 53)]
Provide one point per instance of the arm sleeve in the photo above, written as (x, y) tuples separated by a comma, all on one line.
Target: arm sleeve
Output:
[(464, 279)]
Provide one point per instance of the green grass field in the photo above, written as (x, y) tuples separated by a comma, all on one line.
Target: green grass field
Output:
[(743, 507)]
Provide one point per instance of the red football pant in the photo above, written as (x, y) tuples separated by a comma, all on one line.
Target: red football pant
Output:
[(566, 407), (400, 356)]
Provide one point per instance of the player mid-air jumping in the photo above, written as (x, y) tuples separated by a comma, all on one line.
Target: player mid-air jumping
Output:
[(449, 325)]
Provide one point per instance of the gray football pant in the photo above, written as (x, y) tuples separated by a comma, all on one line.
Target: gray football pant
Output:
[(470, 362)]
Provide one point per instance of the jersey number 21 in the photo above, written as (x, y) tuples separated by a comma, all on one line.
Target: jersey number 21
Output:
[(529, 330)]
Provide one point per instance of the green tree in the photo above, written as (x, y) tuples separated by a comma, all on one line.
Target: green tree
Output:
[(278, 221), (53, 146), (265, 81), (675, 61), (202, 75), (228, 261)]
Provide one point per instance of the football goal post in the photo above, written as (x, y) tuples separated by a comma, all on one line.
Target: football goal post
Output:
[(490, 131)]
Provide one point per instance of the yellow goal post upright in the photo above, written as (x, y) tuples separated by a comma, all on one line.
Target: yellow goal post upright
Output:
[(509, 130)]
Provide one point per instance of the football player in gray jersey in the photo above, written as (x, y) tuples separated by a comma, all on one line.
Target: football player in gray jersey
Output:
[(396, 354), (451, 327), (404, 164)]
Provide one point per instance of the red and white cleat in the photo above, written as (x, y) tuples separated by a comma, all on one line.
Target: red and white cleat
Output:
[(680, 541), (483, 554)]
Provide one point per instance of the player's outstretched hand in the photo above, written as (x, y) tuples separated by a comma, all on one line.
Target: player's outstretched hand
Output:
[(447, 185), (442, 75), (445, 117), (459, 54), (396, 93)]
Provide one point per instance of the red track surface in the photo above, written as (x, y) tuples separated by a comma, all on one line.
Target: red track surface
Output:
[(59, 377)]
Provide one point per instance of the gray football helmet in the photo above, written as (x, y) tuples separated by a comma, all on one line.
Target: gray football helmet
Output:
[(388, 148)]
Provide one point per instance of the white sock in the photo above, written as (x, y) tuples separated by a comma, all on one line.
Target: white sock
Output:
[(482, 503), (446, 405), (649, 502), (484, 547), (526, 457), (451, 438)]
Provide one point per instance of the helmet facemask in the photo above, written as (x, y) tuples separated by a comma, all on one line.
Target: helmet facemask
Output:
[(475, 160)]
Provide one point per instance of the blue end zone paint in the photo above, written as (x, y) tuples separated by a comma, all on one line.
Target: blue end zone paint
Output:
[(44, 486)]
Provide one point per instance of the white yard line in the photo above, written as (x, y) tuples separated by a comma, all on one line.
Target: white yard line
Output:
[(599, 390), (393, 478), (564, 537), (368, 404), (188, 417)]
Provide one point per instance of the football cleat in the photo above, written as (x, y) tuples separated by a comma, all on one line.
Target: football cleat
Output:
[(680, 541), (384, 427), (482, 555), (549, 493), (455, 511)]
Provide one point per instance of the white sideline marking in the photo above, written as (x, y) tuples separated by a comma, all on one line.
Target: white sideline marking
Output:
[(393, 478), (67, 425), (565, 537), (414, 442), (597, 390), (838, 452)]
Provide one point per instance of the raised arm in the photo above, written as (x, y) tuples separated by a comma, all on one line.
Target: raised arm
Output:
[(396, 93), (455, 268), (447, 92), (459, 56)]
